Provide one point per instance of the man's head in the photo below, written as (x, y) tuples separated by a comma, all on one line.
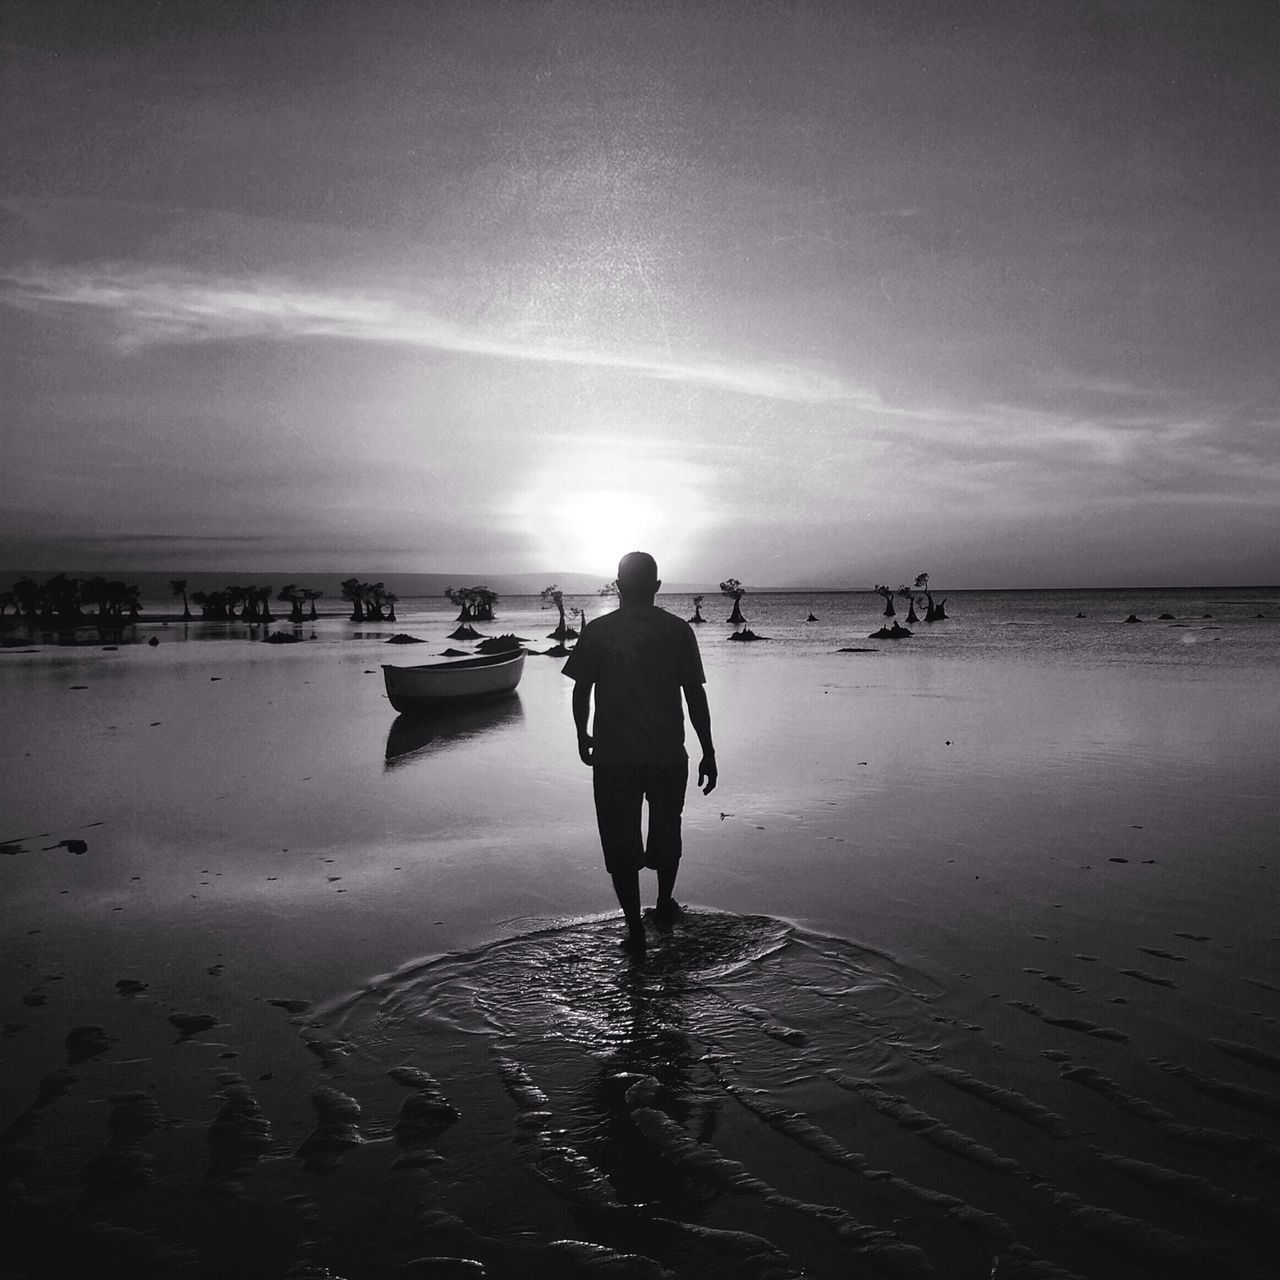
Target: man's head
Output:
[(638, 577)]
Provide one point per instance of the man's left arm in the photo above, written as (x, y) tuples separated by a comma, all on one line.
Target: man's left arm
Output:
[(582, 718), (700, 718), (582, 669)]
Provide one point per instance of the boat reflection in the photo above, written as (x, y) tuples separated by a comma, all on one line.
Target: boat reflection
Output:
[(413, 737)]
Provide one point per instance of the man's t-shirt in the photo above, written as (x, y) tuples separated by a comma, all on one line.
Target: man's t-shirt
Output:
[(638, 658)]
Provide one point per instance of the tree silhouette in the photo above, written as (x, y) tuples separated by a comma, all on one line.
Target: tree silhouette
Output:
[(909, 595), (461, 596), (93, 595), (370, 601), (375, 600), (552, 595), (887, 593), (214, 605), (475, 604), (109, 596), (732, 587), (179, 588), (483, 602), (697, 609), (353, 590), (253, 600), (293, 594), (26, 592), (61, 601), (933, 612), (311, 596)]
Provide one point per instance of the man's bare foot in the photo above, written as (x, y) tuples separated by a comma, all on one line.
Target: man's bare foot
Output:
[(635, 944), (666, 910)]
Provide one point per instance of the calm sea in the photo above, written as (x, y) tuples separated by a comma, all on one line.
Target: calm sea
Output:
[(1219, 626)]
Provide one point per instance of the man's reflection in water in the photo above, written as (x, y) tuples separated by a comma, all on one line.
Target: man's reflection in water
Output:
[(651, 1008)]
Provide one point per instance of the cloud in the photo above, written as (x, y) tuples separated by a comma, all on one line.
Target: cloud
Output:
[(150, 306), (174, 539)]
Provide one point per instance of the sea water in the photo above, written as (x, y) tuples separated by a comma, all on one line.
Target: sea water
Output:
[(1013, 735), (1020, 831)]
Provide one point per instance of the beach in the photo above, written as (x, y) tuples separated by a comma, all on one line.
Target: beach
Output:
[(979, 973)]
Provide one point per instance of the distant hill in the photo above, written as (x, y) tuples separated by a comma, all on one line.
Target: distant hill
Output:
[(155, 586)]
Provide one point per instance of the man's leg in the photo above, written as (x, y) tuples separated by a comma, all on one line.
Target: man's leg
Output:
[(666, 904), (626, 884), (619, 795), (665, 793)]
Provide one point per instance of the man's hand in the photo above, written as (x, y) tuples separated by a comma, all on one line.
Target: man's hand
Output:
[(585, 748), (707, 773)]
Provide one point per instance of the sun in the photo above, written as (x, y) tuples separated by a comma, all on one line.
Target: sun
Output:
[(598, 526), (588, 504)]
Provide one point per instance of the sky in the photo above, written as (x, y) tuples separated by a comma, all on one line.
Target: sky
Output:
[(825, 292)]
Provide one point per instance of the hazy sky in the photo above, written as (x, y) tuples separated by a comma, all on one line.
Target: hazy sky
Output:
[(793, 292)]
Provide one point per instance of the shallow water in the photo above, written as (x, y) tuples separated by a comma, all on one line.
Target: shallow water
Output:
[(756, 1077), (927, 856)]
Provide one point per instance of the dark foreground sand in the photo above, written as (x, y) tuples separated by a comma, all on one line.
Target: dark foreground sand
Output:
[(964, 992)]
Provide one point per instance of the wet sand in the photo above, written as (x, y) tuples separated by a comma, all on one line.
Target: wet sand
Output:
[(979, 971)]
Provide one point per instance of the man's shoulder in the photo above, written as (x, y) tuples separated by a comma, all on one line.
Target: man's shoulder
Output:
[(670, 621), (598, 624), (654, 617), (680, 628)]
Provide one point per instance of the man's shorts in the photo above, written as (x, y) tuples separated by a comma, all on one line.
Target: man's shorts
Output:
[(619, 792)]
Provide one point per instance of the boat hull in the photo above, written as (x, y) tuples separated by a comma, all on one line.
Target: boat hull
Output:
[(453, 684)]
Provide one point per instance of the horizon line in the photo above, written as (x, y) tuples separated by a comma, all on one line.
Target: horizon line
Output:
[(682, 588)]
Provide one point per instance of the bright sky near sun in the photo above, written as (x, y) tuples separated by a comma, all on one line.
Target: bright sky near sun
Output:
[(815, 292)]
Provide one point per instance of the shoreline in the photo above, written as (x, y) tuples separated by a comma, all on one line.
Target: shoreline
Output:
[(163, 619)]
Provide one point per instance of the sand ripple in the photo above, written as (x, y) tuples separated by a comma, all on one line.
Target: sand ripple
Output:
[(753, 1101)]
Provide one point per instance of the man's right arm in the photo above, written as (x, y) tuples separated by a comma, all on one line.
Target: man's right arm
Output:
[(700, 718)]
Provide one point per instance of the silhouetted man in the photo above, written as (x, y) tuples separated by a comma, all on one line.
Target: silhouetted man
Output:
[(638, 659)]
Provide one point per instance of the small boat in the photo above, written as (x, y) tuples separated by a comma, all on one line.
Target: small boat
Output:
[(454, 683)]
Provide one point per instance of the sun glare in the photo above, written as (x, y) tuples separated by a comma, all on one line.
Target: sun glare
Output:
[(585, 514), (601, 525)]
